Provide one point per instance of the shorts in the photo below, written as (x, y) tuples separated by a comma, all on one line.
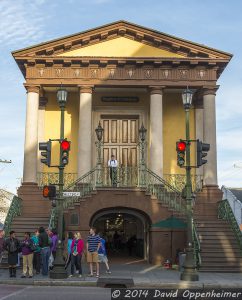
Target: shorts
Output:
[(102, 258), (92, 257)]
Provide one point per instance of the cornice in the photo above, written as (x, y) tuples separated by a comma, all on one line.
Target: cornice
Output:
[(126, 29)]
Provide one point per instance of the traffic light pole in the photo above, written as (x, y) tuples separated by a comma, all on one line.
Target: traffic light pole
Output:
[(189, 273), (59, 271)]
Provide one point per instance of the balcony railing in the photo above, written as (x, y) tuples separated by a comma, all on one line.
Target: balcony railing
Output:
[(46, 178), (125, 177)]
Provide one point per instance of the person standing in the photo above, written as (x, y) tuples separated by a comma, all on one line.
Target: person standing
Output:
[(45, 250), (77, 247), (2, 242), (27, 253), (113, 164), (36, 259), (12, 246), (69, 242), (93, 245), (102, 254), (54, 239)]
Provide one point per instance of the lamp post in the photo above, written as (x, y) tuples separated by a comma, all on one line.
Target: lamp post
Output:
[(99, 133), (189, 273), (59, 271), (142, 136)]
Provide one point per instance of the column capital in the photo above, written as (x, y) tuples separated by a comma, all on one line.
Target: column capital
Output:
[(156, 90), (210, 90), (32, 88), (86, 89)]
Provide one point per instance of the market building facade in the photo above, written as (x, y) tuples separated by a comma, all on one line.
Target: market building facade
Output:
[(121, 76)]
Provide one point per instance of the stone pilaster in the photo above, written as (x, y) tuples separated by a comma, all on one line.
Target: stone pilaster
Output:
[(31, 135), (84, 158), (156, 131), (209, 127)]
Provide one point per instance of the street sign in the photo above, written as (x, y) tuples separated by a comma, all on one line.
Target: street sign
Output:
[(71, 194)]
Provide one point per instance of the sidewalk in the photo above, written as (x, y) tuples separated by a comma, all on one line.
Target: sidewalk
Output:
[(144, 275)]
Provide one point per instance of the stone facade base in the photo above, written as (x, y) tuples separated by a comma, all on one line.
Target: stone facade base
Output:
[(206, 205), (33, 203)]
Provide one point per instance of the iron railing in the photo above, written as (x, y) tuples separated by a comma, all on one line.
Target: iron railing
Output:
[(83, 186), (126, 177), (14, 210), (47, 178), (179, 181), (197, 247), (167, 194), (235, 204), (225, 212)]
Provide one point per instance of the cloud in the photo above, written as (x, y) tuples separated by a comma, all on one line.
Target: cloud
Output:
[(22, 22)]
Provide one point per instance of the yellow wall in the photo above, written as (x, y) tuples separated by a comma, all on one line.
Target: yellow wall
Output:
[(52, 128), (173, 130), (120, 47), (173, 125)]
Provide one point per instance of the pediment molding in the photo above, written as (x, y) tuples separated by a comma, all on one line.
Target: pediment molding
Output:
[(50, 53), (125, 29)]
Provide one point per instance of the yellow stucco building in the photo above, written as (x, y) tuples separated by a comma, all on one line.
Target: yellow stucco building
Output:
[(120, 75)]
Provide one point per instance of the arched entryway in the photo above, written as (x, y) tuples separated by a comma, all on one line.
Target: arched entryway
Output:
[(125, 230)]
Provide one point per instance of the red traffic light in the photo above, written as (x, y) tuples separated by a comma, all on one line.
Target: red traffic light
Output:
[(46, 191), (49, 191), (65, 145), (181, 146)]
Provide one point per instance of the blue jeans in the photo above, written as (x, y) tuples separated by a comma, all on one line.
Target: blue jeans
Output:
[(45, 254)]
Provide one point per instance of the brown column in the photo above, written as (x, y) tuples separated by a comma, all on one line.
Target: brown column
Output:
[(84, 158), (31, 135)]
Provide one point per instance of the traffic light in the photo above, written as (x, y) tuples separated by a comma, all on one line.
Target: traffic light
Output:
[(49, 191), (65, 148), (202, 149), (181, 150), (45, 149)]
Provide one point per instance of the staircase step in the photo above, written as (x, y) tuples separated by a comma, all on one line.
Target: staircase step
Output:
[(221, 270), (213, 251), (221, 260)]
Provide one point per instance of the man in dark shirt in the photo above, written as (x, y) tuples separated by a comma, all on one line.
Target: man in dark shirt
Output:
[(45, 250)]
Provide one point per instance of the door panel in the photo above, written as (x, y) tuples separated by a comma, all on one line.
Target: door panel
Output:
[(120, 138)]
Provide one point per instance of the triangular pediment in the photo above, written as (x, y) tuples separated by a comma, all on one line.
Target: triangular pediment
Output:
[(144, 40), (120, 47)]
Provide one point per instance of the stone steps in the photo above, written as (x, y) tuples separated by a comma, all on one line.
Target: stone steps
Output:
[(219, 248)]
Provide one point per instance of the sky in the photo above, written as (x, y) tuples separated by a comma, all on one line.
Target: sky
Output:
[(216, 23)]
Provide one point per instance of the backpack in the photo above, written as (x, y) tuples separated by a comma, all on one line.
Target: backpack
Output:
[(12, 246)]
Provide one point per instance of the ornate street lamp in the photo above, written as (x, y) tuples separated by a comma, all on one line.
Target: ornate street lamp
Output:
[(59, 271), (187, 98), (142, 133), (99, 133), (142, 167), (189, 273)]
